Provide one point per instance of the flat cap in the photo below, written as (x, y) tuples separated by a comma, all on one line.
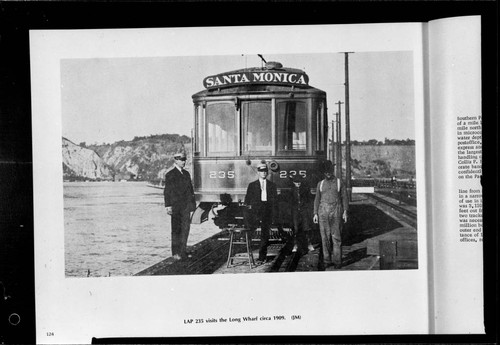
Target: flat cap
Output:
[(180, 155), (262, 167), (328, 167)]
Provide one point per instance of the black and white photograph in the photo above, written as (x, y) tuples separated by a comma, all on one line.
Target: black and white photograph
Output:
[(159, 155), (245, 172), (294, 182)]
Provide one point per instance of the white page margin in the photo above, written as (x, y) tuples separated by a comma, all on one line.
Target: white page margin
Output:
[(393, 302), (455, 89)]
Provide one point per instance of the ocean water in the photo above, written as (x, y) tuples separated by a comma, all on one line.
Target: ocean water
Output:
[(117, 228)]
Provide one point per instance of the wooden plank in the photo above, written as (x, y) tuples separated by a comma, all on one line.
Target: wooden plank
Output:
[(408, 249), (400, 235), (208, 249), (388, 254)]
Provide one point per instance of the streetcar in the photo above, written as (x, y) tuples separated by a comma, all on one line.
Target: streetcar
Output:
[(260, 114)]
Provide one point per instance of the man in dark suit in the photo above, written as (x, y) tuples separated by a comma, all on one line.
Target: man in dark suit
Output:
[(301, 205), (179, 203), (261, 200)]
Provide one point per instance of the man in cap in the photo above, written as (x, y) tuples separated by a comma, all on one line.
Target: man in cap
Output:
[(301, 201), (261, 199), (330, 206), (179, 203)]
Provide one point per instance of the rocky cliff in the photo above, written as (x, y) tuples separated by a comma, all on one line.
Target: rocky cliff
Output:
[(80, 163), (148, 159), (382, 160), (144, 158)]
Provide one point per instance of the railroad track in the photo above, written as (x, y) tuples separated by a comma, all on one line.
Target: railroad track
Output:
[(408, 213), (211, 254)]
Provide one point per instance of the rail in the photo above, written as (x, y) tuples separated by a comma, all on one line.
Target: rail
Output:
[(385, 183), (412, 215)]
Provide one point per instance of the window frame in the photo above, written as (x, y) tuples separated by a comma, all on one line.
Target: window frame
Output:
[(306, 105), (242, 134), (321, 125), (235, 150)]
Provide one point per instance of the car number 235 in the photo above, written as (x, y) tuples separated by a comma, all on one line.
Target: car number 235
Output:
[(221, 174), (292, 173)]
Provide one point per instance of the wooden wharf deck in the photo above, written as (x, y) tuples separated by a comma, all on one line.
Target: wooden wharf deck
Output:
[(377, 236)]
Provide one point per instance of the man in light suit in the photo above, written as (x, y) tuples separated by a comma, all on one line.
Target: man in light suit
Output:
[(261, 200), (179, 203)]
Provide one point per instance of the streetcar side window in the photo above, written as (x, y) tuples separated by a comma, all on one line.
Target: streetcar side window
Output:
[(320, 126), (221, 129), (256, 127), (292, 126), (200, 133)]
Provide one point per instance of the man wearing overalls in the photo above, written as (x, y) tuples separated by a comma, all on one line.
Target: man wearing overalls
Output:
[(330, 207)]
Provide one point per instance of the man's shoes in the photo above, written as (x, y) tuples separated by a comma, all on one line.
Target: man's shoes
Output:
[(310, 248), (261, 261)]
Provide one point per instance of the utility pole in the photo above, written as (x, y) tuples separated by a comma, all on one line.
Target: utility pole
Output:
[(339, 141), (347, 129), (332, 146)]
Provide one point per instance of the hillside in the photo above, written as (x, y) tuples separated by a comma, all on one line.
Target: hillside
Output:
[(148, 159), (383, 160), (83, 164), (143, 158)]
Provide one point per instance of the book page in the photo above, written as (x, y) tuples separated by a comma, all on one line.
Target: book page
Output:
[(455, 128), (95, 88)]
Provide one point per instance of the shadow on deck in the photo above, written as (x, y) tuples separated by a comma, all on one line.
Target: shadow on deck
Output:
[(366, 221)]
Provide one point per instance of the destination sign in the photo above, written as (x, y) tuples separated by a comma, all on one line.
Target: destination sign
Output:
[(264, 77)]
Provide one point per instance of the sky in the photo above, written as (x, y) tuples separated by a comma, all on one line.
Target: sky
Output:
[(105, 100)]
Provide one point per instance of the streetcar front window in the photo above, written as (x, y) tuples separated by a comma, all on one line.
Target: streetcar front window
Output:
[(292, 126), (221, 129), (256, 127)]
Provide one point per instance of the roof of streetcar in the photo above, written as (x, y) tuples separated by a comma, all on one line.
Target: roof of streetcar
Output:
[(272, 78)]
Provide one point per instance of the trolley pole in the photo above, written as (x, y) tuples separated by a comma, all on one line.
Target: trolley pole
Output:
[(347, 129), (263, 61), (339, 141)]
